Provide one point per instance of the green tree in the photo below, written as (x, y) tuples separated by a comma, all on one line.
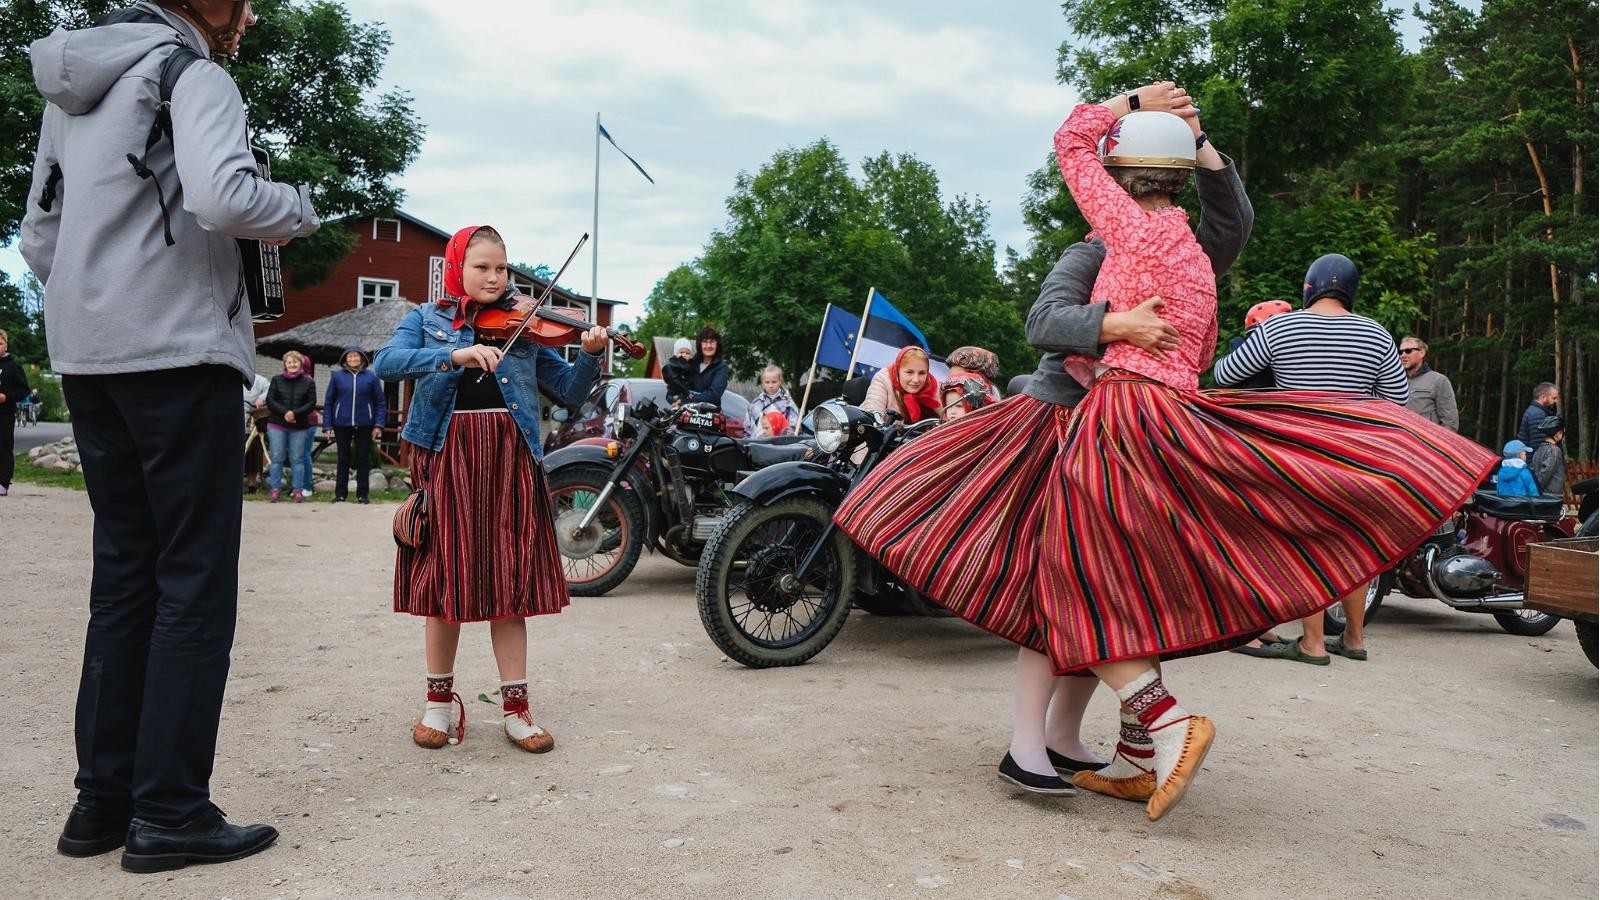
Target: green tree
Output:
[(309, 77), (803, 232), (22, 322)]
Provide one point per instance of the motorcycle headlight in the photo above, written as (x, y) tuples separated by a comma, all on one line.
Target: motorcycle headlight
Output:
[(831, 423)]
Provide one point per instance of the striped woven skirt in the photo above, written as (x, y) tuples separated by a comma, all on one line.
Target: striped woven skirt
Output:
[(1165, 523), (490, 551)]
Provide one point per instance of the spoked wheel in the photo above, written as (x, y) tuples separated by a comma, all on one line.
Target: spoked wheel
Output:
[(1333, 618), (600, 557), (753, 605), (1526, 622)]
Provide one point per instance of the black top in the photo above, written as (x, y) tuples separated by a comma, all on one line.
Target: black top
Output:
[(298, 394), (473, 393), (13, 382)]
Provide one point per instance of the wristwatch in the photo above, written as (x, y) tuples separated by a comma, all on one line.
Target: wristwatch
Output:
[(1200, 141), (1133, 101)]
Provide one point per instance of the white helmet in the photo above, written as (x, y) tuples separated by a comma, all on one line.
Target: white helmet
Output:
[(1158, 140)]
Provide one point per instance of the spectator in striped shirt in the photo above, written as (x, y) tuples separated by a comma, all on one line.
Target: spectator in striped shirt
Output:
[(1323, 347)]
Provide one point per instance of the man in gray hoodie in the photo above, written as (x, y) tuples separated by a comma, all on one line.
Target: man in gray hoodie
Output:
[(153, 336)]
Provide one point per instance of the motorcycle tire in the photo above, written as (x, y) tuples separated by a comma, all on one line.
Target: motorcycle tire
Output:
[(1589, 640), (1526, 622), (1333, 617), (738, 586), (624, 537)]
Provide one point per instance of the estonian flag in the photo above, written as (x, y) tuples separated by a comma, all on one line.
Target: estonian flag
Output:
[(874, 344)]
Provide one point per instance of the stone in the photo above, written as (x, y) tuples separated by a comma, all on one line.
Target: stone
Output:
[(322, 487), (672, 790), (1014, 863), (46, 461), (932, 881), (1134, 867), (38, 451), (377, 482), (672, 843), (1562, 822), (63, 465), (615, 770)]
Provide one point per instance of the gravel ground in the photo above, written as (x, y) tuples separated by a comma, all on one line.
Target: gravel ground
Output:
[(1459, 762)]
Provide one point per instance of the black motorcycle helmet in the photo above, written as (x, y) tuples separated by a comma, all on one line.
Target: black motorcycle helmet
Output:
[(1332, 275), (1549, 425)]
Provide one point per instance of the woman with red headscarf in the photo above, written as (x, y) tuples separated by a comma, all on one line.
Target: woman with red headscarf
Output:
[(477, 543), (905, 387)]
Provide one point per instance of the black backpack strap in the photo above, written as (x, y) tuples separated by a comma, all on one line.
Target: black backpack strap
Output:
[(171, 70), (47, 197)]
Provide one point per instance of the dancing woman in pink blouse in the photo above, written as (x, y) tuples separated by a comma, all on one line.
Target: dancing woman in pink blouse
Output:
[(1175, 521)]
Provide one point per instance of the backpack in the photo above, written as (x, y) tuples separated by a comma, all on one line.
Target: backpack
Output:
[(179, 60)]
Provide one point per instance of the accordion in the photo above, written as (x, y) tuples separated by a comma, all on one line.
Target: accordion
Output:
[(261, 269)]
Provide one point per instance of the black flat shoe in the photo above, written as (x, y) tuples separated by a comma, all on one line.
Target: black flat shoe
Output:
[(1066, 765), (1038, 784), (207, 838), (91, 832), (361, 500)]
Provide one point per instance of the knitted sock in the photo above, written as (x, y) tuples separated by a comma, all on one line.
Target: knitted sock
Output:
[(514, 699), (436, 714), (1135, 753), (1161, 715)]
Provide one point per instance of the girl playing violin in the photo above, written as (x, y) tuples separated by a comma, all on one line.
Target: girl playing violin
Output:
[(488, 552)]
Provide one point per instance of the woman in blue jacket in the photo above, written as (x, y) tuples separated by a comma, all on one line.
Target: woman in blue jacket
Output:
[(710, 376), (354, 410)]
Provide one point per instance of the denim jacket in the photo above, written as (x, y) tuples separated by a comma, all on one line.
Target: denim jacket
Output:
[(421, 349)]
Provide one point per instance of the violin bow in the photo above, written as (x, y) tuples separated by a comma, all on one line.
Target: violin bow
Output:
[(543, 297)]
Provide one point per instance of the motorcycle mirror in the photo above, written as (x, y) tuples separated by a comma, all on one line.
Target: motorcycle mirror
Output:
[(560, 414)]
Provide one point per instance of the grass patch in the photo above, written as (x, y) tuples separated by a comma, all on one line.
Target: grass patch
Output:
[(28, 474)]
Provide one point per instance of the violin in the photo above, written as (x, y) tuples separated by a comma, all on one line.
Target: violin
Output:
[(546, 325)]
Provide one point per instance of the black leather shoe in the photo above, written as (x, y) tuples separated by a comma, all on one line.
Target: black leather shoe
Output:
[(1066, 765), (1038, 784), (207, 838), (91, 832)]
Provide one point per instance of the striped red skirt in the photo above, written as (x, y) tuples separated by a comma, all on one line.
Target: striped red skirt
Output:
[(1153, 522), (491, 550)]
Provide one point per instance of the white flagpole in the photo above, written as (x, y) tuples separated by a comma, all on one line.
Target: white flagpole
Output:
[(812, 374), (594, 249), (865, 313)]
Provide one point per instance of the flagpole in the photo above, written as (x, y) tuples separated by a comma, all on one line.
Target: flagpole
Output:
[(594, 250), (865, 313), (811, 375)]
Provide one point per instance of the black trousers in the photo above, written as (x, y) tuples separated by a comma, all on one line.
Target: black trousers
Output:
[(160, 454), (8, 443), (361, 436)]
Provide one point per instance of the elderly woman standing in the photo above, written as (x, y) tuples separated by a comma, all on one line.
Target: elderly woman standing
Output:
[(291, 397)]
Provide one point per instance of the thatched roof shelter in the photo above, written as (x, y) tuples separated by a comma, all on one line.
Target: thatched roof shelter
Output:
[(368, 327)]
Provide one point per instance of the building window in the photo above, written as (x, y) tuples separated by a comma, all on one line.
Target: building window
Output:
[(375, 290), (386, 229)]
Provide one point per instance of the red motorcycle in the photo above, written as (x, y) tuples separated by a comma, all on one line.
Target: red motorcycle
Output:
[(1476, 562)]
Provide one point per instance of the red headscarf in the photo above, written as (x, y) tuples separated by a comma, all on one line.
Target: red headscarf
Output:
[(923, 403), (455, 261)]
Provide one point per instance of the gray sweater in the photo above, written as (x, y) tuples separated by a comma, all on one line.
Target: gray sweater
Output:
[(117, 298), (1063, 321)]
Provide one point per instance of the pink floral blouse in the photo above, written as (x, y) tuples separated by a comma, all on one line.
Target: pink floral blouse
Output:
[(1147, 254)]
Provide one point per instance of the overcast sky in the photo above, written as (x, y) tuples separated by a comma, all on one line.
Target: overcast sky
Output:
[(698, 91)]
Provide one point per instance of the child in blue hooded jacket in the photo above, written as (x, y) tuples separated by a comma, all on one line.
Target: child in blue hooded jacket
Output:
[(1513, 479)]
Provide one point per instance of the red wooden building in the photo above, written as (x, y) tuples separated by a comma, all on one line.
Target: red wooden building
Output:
[(399, 256)]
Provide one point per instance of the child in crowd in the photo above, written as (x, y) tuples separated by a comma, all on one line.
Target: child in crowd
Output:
[(969, 367), (488, 551), (677, 371), (1549, 460), (1513, 478), (1266, 309), (772, 399)]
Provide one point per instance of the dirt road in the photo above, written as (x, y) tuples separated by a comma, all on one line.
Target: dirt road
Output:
[(1459, 762)]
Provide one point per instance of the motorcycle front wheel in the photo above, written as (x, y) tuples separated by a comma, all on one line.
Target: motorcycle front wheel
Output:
[(1333, 620), (598, 558), (751, 604)]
